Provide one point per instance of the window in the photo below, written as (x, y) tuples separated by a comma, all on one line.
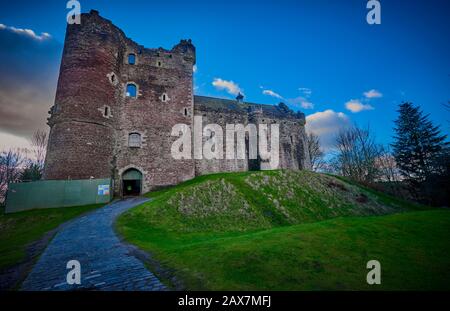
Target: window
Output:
[(185, 112), (134, 140), (106, 111), (159, 63), (131, 59), (131, 90), (164, 97)]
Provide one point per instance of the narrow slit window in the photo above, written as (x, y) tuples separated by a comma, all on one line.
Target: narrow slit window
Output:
[(131, 59), (185, 112), (134, 140), (106, 113), (131, 90)]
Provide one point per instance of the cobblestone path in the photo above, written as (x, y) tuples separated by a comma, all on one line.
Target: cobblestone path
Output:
[(106, 263)]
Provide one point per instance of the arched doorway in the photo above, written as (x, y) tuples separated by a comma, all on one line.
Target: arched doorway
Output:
[(131, 182)]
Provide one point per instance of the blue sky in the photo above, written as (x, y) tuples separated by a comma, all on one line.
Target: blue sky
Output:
[(317, 56)]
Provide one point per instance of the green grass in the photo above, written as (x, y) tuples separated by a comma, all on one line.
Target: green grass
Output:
[(224, 232), (18, 230)]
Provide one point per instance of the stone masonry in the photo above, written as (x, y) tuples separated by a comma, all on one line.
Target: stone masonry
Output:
[(96, 113)]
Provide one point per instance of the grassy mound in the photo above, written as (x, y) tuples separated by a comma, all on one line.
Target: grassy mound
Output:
[(260, 200), (285, 230)]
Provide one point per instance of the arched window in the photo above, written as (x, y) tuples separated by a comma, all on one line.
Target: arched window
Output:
[(134, 140), (131, 90), (131, 59)]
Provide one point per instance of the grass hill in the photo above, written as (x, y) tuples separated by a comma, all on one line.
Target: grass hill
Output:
[(286, 230)]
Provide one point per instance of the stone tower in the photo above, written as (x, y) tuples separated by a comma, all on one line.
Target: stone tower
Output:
[(115, 105)]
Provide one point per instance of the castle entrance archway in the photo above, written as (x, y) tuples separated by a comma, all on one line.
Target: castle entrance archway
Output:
[(131, 182)]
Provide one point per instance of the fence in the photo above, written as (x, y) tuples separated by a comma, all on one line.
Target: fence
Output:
[(57, 193)]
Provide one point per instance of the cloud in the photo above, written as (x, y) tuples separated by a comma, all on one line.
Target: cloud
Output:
[(306, 91), (301, 102), (356, 106), (26, 32), (229, 86), (9, 141), (28, 78), (326, 124), (373, 94), (272, 93), (195, 68)]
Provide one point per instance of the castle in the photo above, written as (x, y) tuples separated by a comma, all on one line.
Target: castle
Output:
[(116, 103)]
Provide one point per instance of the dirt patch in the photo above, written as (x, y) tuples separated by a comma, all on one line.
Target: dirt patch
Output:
[(336, 185), (362, 198)]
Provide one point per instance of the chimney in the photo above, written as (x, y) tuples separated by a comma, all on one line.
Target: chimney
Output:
[(240, 98)]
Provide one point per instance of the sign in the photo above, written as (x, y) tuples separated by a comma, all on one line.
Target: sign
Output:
[(103, 189)]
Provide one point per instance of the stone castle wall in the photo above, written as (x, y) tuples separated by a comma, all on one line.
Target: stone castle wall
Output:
[(92, 117)]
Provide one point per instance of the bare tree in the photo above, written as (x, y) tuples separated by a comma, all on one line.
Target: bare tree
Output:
[(11, 163), (387, 166), (357, 154), (316, 153), (39, 144)]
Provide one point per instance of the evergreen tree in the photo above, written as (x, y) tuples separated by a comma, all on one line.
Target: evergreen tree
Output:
[(418, 144), (31, 172)]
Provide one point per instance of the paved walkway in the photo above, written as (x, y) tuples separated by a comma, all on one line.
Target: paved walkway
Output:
[(105, 262)]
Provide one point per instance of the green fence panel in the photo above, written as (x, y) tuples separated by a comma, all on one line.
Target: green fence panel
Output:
[(57, 193)]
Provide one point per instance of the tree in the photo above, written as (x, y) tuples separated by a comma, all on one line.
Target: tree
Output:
[(31, 172), (10, 169), (357, 154), (418, 144), (387, 166), (39, 148), (315, 152), (34, 166)]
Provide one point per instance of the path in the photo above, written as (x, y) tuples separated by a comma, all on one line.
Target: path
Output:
[(105, 262)]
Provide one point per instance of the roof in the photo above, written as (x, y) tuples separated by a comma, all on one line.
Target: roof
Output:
[(221, 104)]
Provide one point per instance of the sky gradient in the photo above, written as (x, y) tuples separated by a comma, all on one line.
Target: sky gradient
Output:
[(320, 57)]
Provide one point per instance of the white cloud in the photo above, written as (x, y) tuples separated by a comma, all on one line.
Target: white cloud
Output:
[(326, 124), (356, 106), (27, 32), (373, 94), (272, 93), (10, 141), (231, 87), (306, 91), (301, 102), (194, 68)]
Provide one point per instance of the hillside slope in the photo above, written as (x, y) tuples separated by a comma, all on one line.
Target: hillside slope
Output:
[(285, 230), (261, 200)]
